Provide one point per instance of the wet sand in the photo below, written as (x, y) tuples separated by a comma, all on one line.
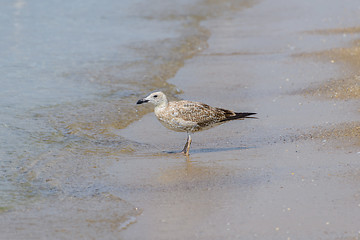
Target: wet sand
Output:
[(291, 174)]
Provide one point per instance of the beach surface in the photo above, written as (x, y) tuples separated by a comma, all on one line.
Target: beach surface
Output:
[(293, 173)]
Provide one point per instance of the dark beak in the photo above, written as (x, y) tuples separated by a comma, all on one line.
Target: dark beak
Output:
[(142, 101)]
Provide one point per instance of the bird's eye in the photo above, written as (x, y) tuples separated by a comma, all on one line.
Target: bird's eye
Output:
[(155, 96)]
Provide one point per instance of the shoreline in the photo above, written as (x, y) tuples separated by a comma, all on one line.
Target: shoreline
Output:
[(291, 174)]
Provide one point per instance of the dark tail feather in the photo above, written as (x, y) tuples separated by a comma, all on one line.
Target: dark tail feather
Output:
[(243, 115), (239, 116)]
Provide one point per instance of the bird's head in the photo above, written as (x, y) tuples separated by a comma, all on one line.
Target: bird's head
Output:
[(156, 98)]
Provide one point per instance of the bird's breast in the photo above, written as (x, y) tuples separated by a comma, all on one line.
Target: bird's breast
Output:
[(171, 119)]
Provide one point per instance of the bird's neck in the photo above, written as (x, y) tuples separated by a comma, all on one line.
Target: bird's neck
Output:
[(162, 106)]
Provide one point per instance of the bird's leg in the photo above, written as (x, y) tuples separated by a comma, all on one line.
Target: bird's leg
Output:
[(187, 145)]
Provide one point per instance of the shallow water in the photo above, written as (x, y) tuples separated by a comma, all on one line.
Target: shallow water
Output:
[(71, 74), (72, 71)]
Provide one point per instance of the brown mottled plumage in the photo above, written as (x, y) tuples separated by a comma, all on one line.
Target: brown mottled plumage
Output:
[(188, 116)]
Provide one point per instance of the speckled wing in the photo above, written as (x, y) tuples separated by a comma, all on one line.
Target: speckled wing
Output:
[(200, 114)]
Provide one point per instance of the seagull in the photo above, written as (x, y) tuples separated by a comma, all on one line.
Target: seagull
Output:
[(189, 116)]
